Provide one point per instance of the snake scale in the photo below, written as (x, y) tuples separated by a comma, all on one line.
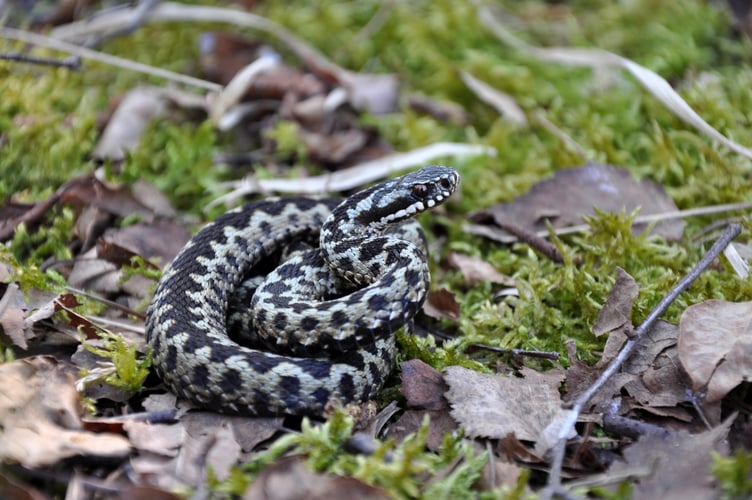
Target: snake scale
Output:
[(319, 326)]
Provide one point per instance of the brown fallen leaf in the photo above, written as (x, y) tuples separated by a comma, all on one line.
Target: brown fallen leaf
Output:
[(715, 346), (661, 382), (216, 450), (422, 386), (290, 478), (14, 489), (562, 200), (440, 422), (674, 467), (616, 312), (248, 432), (475, 270), (442, 304), (87, 190), (40, 417), (496, 405), (162, 439)]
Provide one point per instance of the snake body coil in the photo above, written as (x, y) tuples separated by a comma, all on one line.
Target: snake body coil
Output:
[(320, 325)]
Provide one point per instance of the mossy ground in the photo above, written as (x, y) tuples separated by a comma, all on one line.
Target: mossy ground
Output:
[(48, 122)]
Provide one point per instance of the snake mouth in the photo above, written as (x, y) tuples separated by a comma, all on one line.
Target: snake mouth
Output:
[(427, 195)]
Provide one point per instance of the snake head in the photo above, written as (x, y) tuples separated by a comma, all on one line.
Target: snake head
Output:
[(411, 194)]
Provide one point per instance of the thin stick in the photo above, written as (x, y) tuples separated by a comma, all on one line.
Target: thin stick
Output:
[(554, 479), (73, 63), (51, 43)]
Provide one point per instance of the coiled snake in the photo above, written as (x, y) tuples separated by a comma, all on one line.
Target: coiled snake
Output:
[(328, 314)]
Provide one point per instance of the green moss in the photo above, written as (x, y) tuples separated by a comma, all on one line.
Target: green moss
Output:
[(399, 468), (47, 130), (733, 473), (177, 158), (47, 241), (130, 371), (28, 275)]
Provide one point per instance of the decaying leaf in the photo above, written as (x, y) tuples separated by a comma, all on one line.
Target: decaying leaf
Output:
[(247, 432), (290, 478), (423, 388), (651, 380), (496, 405), (674, 467), (440, 422), (170, 456), (442, 304), (40, 417), (571, 193), (617, 310), (715, 346), (477, 270)]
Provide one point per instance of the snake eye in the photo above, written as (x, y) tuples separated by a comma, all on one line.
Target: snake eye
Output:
[(420, 190)]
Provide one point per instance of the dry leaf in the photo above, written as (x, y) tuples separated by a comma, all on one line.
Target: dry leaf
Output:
[(442, 304), (248, 432), (496, 405), (715, 346), (562, 200), (216, 449), (440, 422), (617, 310), (675, 467), (40, 417), (422, 386), (161, 439), (475, 270), (290, 478)]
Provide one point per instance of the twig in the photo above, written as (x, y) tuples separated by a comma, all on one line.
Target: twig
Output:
[(173, 11), (107, 302), (52, 43), (622, 426), (554, 479), (140, 17), (552, 355), (72, 63), (533, 240)]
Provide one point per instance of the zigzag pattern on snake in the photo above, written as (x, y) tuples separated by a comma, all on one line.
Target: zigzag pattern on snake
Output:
[(319, 327)]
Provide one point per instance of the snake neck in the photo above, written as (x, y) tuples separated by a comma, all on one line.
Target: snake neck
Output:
[(354, 238)]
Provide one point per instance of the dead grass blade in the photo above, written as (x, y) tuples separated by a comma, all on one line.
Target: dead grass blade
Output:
[(651, 81), (355, 176)]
